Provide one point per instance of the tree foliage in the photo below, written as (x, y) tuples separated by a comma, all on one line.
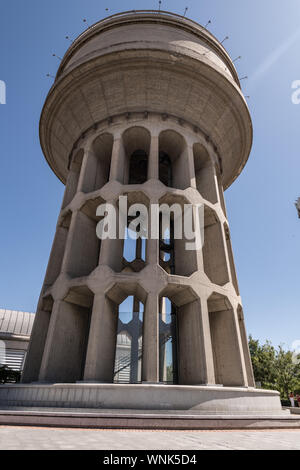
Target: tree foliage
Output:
[(275, 369)]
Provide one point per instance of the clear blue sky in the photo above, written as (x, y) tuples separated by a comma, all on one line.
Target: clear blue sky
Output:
[(264, 225)]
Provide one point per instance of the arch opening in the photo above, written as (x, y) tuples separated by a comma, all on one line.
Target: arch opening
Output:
[(214, 256), (136, 141), (173, 160), (205, 174), (174, 255), (168, 367), (96, 173), (83, 255), (129, 342)]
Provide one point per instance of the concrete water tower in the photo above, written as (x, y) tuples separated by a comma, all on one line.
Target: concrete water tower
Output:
[(145, 104)]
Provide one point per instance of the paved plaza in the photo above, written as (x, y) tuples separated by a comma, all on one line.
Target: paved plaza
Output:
[(29, 438)]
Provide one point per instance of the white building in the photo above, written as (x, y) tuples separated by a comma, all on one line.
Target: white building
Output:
[(15, 330)]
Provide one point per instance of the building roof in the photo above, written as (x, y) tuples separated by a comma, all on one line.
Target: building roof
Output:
[(15, 322)]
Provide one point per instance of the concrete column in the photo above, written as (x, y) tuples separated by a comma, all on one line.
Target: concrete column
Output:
[(220, 191), (230, 258), (242, 349), (73, 178), (56, 257), (68, 247), (83, 172), (111, 252), (182, 171), (119, 162), (209, 373), (94, 172), (82, 249), (245, 345), (191, 166), (227, 347), (135, 333), (150, 362), (152, 244), (192, 360), (153, 159), (100, 358), (64, 352), (36, 346)]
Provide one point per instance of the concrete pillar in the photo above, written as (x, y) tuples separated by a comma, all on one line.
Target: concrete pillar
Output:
[(111, 252), (135, 333), (182, 170), (228, 358), (191, 166), (150, 367), (73, 178), (94, 172), (99, 366), (64, 353), (195, 366), (231, 264), (220, 190), (83, 246), (153, 159), (83, 176), (37, 344), (209, 374), (56, 257), (152, 244), (119, 162), (245, 346)]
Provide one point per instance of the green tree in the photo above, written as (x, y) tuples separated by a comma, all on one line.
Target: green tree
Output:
[(263, 362), (288, 373), (274, 368)]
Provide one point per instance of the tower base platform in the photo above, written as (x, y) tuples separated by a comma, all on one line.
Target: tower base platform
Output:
[(136, 419), (185, 398), (143, 406)]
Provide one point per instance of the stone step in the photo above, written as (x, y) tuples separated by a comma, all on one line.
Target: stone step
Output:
[(138, 419)]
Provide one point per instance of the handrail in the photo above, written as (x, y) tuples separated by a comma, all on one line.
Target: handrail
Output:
[(127, 358)]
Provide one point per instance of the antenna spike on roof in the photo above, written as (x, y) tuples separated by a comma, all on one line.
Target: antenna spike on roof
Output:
[(225, 39)]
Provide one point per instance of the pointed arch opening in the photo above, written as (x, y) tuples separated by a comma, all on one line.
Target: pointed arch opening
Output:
[(136, 142), (173, 167), (129, 341)]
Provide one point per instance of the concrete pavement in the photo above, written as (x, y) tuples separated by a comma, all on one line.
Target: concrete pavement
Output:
[(29, 438)]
